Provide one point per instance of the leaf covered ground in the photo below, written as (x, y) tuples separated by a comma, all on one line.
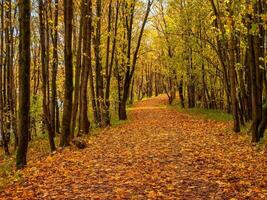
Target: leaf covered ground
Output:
[(159, 154)]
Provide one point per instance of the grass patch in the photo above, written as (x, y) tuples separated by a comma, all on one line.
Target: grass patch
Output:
[(216, 115), (116, 122), (261, 145), (8, 173)]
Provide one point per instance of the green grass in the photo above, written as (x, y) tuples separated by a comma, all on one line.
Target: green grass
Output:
[(211, 114), (8, 173), (38, 148), (261, 145), (116, 122), (216, 115)]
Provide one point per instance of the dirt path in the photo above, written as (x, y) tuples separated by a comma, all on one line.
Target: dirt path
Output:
[(159, 154)]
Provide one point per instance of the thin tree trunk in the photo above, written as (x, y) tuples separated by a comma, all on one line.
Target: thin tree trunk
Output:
[(130, 68), (109, 65), (54, 70), (99, 74), (44, 40), (78, 72), (233, 83)]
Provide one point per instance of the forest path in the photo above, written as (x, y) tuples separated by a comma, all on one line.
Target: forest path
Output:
[(159, 154)]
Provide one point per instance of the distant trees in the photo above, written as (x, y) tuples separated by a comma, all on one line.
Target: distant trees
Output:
[(7, 85), (218, 53), (130, 53)]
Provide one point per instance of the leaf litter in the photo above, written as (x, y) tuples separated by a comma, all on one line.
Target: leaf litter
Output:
[(159, 154)]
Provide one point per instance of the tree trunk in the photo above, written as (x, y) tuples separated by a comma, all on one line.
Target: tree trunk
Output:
[(84, 121), (109, 66), (233, 82), (24, 81), (2, 93), (180, 90), (78, 71), (45, 65), (263, 124), (54, 70), (98, 62), (68, 84)]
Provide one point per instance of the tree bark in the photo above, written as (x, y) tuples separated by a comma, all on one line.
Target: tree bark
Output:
[(87, 32), (78, 72), (54, 70), (24, 81), (44, 40), (233, 83), (68, 84)]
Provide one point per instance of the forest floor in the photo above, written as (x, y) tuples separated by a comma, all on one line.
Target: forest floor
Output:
[(159, 153)]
